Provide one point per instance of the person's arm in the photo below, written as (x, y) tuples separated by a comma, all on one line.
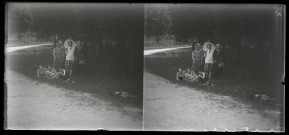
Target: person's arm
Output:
[(214, 58), (55, 75), (54, 71), (54, 54), (177, 76), (193, 73), (222, 56), (202, 75), (75, 53), (203, 57), (62, 73), (65, 50), (193, 57)]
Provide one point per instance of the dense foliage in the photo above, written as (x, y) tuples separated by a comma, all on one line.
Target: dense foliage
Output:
[(247, 31)]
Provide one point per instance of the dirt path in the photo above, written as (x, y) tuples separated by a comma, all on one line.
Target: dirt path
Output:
[(169, 106), (33, 105)]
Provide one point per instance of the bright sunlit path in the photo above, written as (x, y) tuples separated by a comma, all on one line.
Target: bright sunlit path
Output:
[(16, 48), (150, 52)]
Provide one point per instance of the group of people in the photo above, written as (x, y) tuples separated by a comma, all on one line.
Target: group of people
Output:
[(50, 73), (68, 57), (191, 76), (206, 60)]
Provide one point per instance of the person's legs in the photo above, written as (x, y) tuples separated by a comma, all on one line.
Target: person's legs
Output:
[(193, 66), (55, 76), (81, 68), (187, 77), (62, 63), (207, 71), (57, 64), (68, 69), (71, 68), (215, 70), (196, 67), (202, 80), (206, 68), (76, 68), (210, 70), (220, 71)]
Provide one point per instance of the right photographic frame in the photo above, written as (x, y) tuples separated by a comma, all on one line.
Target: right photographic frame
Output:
[(214, 67)]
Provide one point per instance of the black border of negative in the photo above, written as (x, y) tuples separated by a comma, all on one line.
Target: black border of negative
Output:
[(131, 2)]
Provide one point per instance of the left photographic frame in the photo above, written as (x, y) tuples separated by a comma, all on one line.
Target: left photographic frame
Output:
[(74, 66)]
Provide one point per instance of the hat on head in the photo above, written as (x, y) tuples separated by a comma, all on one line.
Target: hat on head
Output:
[(67, 41), (205, 46)]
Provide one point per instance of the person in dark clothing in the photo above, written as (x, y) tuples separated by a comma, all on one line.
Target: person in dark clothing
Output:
[(80, 59), (203, 78), (218, 61)]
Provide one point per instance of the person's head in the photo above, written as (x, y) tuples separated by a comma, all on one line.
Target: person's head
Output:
[(209, 46), (188, 69), (184, 71), (57, 45), (198, 46), (40, 67), (218, 46), (49, 67), (60, 42), (70, 43), (78, 42), (180, 70)]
